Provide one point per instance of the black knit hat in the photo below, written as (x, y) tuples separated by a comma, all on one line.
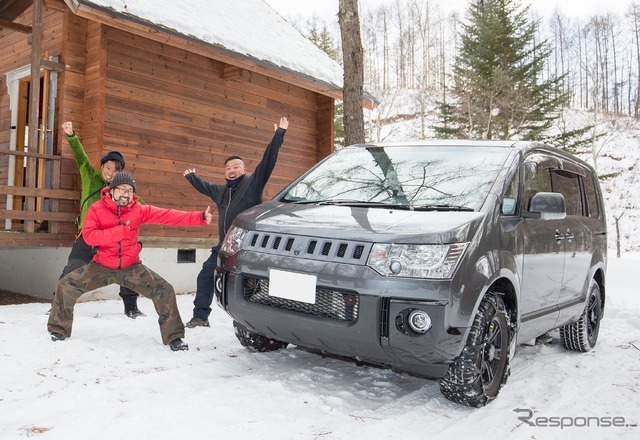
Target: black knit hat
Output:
[(115, 156), (123, 179)]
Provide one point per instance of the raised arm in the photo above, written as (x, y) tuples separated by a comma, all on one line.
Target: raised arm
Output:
[(268, 163), (202, 186), (80, 156)]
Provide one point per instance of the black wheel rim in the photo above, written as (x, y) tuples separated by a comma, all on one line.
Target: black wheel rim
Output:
[(492, 354), (593, 316)]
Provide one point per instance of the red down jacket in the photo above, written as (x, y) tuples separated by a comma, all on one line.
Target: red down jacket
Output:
[(105, 227)]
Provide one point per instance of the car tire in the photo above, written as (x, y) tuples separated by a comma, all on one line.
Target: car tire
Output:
[(582, 335), (476, 376), (254, 341)]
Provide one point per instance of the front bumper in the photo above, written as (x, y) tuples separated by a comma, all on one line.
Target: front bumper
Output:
[(354, 315)]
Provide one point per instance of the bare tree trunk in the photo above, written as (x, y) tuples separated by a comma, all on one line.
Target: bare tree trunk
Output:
[(584, 98), (617, 219), (616, 86), (423, 32), (635, 15), (601, 62), (385, 33), (401, 60), (629, 88), (352, 55)]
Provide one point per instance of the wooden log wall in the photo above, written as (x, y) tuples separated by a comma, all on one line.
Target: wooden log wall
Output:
[(168, 110)]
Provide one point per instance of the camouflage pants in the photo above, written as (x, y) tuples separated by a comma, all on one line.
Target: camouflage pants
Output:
[(138, 278)]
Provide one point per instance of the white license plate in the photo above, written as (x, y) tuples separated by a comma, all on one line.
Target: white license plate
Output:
[(291, 285)]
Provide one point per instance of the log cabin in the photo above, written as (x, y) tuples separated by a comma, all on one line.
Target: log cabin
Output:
[(171, 85)]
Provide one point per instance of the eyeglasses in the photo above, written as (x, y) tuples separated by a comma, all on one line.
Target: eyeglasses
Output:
[(125, 191)]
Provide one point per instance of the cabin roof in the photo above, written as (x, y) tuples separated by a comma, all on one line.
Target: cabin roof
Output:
[(249, 29)]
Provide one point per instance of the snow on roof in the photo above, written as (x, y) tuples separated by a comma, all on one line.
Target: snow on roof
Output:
[(249, 28)]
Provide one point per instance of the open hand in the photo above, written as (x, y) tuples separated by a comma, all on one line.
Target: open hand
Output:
[(189, 171), (284, 123)]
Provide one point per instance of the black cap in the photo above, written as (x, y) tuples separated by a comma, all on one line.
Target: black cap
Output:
[(123, 179), (115, 156)]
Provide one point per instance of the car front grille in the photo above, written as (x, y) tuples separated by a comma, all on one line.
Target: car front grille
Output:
[(332, 304), (312, 248)]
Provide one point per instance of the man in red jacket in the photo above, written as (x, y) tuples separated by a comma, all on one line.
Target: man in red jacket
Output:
[(111, 227)]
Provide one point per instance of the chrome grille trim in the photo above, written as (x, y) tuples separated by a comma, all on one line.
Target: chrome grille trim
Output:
[(313, 248)]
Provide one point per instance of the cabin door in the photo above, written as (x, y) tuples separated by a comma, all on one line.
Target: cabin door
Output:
[(18, 83)]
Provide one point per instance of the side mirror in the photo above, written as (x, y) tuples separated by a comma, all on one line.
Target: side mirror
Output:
[(547, 206)]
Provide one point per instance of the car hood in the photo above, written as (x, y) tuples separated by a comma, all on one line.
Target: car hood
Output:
[(364, 224)]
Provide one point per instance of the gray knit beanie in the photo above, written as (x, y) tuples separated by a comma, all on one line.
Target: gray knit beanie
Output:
[(123, 178)]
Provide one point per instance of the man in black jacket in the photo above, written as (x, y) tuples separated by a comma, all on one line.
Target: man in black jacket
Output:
[(240, 192)]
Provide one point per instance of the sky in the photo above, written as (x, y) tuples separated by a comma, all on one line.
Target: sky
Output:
[(113, 379), (328, 9)]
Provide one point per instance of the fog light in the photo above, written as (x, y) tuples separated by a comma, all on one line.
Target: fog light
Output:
[(419, 321)]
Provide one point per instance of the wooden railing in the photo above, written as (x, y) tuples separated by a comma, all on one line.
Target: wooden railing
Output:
[(30, 217)]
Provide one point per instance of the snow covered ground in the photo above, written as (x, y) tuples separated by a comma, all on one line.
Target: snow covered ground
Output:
[(113, 379)]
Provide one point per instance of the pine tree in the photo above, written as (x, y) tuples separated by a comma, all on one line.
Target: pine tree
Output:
[(323, 40), (448, 127), (498, 83)]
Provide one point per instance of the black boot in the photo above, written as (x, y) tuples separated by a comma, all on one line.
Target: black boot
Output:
[(178, 345), (130, 300), (133, 312), (55, 336)]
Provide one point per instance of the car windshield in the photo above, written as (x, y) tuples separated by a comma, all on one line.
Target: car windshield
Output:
[(411, 177)]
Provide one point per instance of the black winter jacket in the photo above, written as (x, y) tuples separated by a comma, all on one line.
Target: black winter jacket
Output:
[(232, 200)]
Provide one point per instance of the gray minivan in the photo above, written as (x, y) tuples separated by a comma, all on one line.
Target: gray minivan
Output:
[(432, 258)]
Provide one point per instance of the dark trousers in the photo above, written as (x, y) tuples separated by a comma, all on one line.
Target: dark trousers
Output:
[(137, 277), (81, 254), (205, 286)]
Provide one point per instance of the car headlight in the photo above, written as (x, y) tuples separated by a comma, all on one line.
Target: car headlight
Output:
[(233, 240), (416, 260)]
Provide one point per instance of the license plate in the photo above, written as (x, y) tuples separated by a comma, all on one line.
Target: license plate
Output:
[(292, 285)]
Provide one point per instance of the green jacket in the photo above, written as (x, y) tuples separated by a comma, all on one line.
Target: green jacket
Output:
[(91, 178), (92, 181)]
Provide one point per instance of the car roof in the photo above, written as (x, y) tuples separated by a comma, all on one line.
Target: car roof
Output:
[(521, 147), (443, 143)]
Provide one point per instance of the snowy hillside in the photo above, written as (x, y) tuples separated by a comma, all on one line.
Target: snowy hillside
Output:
[(617, 153)]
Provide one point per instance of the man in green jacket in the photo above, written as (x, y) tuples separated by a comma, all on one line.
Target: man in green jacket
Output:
[(93, 181)]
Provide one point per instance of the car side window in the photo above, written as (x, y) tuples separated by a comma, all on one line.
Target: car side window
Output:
[(536, 178), (510, 199), (593, 210), (568, 184)]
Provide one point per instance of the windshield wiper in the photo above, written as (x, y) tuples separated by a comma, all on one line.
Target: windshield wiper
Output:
[(442, 208), (323, 202), (363, 204), (355, 203)]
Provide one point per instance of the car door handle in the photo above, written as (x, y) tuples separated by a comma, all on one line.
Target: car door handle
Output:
[(569, 236), (558, 236)]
